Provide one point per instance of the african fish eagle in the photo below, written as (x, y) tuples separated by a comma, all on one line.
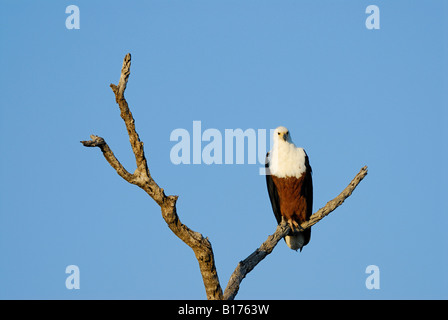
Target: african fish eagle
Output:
[(290, 186)]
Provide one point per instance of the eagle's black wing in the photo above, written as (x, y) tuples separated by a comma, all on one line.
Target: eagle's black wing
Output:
[(272, 190), (307, 191), (308, 188)]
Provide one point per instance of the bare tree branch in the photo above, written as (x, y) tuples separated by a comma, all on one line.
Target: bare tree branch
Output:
[(201, 246), (110, 157), (141, 177), (246, 266)]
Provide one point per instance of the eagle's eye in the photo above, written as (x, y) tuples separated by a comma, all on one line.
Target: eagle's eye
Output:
[(279, 133)]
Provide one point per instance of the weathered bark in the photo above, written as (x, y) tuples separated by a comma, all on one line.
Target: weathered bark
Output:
[(141, 177), (201, 246)]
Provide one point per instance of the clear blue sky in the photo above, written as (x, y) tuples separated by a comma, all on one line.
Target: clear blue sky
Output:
[(350, 96)]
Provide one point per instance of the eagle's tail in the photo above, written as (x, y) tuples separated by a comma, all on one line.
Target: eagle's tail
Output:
[(298, 239)]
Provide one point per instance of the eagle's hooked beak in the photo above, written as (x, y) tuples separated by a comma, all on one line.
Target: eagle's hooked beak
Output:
[(284, 136)]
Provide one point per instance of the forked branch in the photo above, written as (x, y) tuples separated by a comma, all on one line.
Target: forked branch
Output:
[(201, 246)]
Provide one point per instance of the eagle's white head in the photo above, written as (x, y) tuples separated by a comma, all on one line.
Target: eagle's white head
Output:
[(285, 159), (282, 134)]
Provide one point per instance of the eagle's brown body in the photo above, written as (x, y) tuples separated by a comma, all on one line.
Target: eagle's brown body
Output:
[(292, 200)]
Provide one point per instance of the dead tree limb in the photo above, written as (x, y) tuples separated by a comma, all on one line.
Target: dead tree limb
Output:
[(141, 177), (201, 246), (246, 266)]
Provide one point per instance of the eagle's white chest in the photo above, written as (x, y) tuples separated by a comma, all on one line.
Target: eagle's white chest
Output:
[(286, 160)]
